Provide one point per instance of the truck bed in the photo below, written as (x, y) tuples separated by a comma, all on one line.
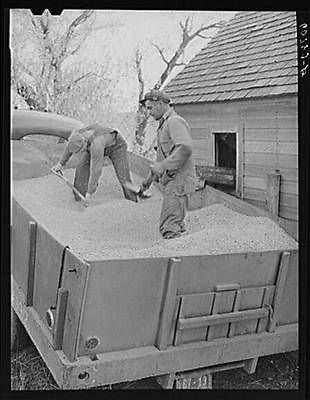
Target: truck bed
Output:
[(109, 316)]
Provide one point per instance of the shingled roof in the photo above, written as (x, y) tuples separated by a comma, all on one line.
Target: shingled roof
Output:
[(253, 55)]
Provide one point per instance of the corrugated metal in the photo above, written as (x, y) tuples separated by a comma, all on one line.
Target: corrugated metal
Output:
[(255, 54)]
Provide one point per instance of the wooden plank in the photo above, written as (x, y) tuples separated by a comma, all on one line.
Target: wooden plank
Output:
[(215, 124), (211, 320), (288, 200), (31, 261), (274, 160), (271, 134), (240, 159), (202, 154), (288, 147), (287, 187), (223, 303), (270, 109), (199, 134), (75, 279), (280, 282), (273, 192), (216, 174), (261, 146), (288, 212), (61, 310), (227, 286), (203, 144), (201, 161), (251, 298), (289, 122), (236, 307), (260, 171), (266, 299), (212, 196), (214, 310), (193, 305), (271, 147), (290, 226), (169, 296)]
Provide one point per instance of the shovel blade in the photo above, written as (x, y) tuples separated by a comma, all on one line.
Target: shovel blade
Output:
[(132, 187)]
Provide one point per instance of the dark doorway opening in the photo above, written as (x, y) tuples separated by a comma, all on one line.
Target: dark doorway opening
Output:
[(225, 150)]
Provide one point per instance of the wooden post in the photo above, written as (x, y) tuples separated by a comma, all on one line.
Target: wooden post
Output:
[(31, 261), (168, 304), (250, 365), (62, 302), (281, 277), (273, 192)]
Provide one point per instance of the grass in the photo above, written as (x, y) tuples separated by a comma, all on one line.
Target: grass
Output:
[(276, 372)]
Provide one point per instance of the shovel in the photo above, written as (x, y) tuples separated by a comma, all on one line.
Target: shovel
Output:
[(140, 189), (60, 175)]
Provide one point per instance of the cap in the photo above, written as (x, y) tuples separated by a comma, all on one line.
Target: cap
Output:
[(156, 95), (75, 142)]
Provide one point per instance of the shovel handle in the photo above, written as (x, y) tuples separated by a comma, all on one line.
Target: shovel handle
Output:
[(148, 181), (70, 185)]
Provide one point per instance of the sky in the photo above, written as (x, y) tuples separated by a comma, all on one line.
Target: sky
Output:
[(116, 44)]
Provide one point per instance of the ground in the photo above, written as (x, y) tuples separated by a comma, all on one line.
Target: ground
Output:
[(277, 372)]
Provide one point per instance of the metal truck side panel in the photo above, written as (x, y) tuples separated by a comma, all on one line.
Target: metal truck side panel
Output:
[(20, 244), (200, 274), (123, 303), (47, 271)]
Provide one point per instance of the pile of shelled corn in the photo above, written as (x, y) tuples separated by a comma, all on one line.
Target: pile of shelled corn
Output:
[(113, 227)]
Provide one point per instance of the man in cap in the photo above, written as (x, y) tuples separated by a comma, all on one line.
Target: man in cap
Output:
[(93, 143), (174, 168)]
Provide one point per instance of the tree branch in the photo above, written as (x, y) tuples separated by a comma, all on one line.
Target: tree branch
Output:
[(206, 28), (82, 77), (161, 52), (138, 61), (65, 39)]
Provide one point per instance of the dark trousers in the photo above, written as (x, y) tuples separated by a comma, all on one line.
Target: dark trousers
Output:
[(118, 155), (173, 209)]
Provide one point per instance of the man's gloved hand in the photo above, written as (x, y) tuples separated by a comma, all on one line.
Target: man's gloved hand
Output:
[(87, 200), (157, 168), (57, 169)]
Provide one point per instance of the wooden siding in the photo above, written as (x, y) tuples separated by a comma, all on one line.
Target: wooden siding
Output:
[(271, 143), (267, 140)]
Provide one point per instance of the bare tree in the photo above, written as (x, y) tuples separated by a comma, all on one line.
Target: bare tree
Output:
[(45, 79), (141, 116), (188, 35)]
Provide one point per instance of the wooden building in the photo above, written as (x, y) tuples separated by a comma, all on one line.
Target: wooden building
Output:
[(239, 95)]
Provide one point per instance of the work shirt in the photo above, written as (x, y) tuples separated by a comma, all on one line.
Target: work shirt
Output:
[(174, 146), (98, 139)]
